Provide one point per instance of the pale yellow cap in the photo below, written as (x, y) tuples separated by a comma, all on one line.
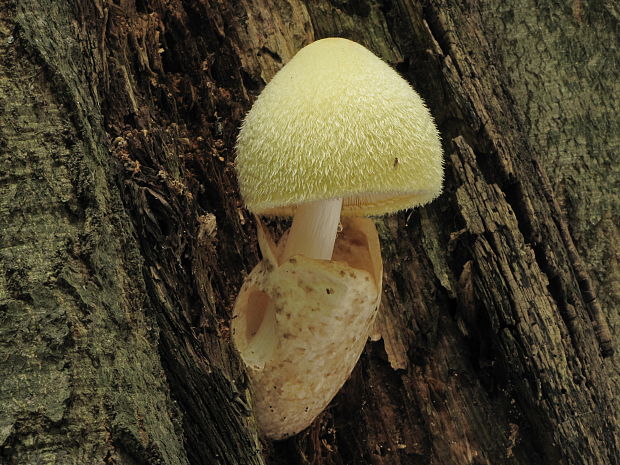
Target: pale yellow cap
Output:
[(337, 121)]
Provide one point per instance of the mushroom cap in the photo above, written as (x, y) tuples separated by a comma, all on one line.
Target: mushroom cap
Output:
[(336, 121)]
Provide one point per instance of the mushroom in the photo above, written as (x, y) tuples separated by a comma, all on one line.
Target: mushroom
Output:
[(335, 136)]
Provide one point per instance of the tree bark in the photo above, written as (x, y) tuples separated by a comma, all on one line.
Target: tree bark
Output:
[(124, 242)]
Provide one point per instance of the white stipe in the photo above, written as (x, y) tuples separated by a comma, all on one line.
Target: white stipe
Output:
[(314, 229)]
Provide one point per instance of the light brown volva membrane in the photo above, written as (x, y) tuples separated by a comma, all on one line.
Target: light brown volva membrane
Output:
[(300, 326)]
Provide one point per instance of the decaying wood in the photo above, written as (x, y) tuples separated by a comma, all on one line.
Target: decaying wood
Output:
[(123, 240)]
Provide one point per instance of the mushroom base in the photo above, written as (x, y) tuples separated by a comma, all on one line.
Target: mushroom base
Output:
[(301, 325)]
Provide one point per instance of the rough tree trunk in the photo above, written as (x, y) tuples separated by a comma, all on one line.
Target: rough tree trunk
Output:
[(123, 241)]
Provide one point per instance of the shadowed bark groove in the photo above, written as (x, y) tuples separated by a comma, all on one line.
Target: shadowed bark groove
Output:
[(123, 240)]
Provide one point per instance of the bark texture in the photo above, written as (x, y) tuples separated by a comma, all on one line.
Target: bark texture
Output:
[(123, 240)]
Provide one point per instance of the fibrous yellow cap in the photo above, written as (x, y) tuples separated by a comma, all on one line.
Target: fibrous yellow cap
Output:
[(337, 121)]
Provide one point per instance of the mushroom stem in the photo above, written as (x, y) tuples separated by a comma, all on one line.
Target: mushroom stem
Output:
[(314, 229)]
